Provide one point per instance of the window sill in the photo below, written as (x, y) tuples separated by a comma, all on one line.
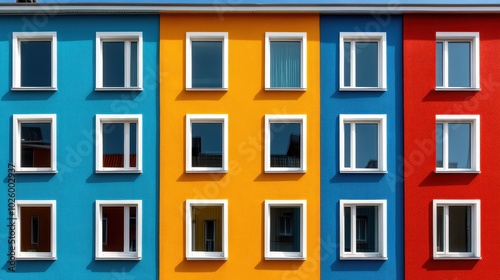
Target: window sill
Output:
[(363, 258), (212, 257), (362, 171), (117, 258), (363, 89), (285, 258), (458, 171), (285, 170), (458, 258), (285, 89), (206, 89), (457, 89), (34, 89), (206, 170), (31, 171), (118, 89), (27, 258), (103, 171)]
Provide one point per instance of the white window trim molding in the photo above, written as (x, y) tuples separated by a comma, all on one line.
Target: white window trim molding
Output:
[(475, 231), (17, 120), (52, 255), (206, 118), (116, 118), (125, 37), (286, 36), (207, 36), (381, 119), (474, 120), (99, 254), (473, 38), (382, 230), (380, 37), (274, 255), (268, 119), (17, 37), (200, 255)]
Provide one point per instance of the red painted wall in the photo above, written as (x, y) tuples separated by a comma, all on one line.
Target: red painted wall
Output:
[(422, 184)]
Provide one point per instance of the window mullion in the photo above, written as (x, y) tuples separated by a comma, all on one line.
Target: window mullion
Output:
[(353, 145), (126, 145), (353, 63), (354, 250), (126, 229), (127, 61), (445, 145), (446, 229), (445, 64)]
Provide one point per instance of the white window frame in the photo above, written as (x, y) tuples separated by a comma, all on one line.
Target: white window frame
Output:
[(52, 255), (382, 230), (381, 120), (207, 36), (191, 254), (475, 230), (286, 36), (17, 38), (126, 255), (474, 120), (274, 255), (116, 118), (126, 38), (17, 120), (380, 37), (268, 119), (206, 118), (473, 38)]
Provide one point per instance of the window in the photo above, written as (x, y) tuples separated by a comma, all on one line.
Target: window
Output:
[(34, 140), (285, 60), (285, 229), (206, 229), (119, 143), (36, 231), (363, 61), (118, 226), (285, 143), (206, 143), (457, 229), (457, 143), (363, 143), (118, 60), (457, 60), (206, 61), (34, 58), (363, 229)]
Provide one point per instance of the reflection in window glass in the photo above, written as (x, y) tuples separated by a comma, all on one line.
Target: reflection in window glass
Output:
[(366, 64), (439, 64), (460, 228), (347, 64), (285, 64), (206, 64), (367, 229), (347, 229), (285, 144), (459, 145), (36, 144), (113, 144), (367, 145), (285, 229), (35, 229), (347, 144), (36, 63), (115, 228), (439, 145), (207, 228), (459, 64), (113, 64), (206, 144)]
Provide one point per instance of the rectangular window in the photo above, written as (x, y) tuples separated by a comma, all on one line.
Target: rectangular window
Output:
[(457, 60), (285, 60), (34, 61), (456, 229), (119, 143), (34, 140), (363, 61), (363, 143), (457, 143), (36, 230), (206, 61), (118, 60), (206, 229), (363, 229), (118, 230), (285, 143), (285, 229), (206, 143)]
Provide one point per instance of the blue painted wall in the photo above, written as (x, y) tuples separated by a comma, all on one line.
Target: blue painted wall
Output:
[(76, 186), (336, 186)]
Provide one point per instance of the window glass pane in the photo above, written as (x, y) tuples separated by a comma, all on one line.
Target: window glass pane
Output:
[(133, 229), (347, 144), (35, 229), (347, 64), (207, 228), (113, 145), (459, 145), (206, 144), (113, 64), (206, 64), (460, 228), (439, 145), (439, 64), (366, 64), (367, 145), (282, 239), (133, 64), (43, 225), (36, 144), (115, 227), (440, 229), (285, 144), (367, 229), (133, 145), (285, 64), (347, 229), (36, 63), (459, 60)]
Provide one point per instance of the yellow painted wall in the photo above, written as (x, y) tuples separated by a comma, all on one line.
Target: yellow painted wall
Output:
[(245, 186)]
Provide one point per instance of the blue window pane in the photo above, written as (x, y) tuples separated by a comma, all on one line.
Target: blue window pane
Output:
[(439, 145), (459, 145), (366, 64), (36, 63), (347, 229), (285, 144), (460, 228), (206, 64), (459, 58), (113, 145), (113, 64), (347, 145), (206, 144), (36, 141), (367, 229), (285, 239), (347, 64), (285, 64), (439, 64), (133, 145), (133, 64), (367, 145)]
